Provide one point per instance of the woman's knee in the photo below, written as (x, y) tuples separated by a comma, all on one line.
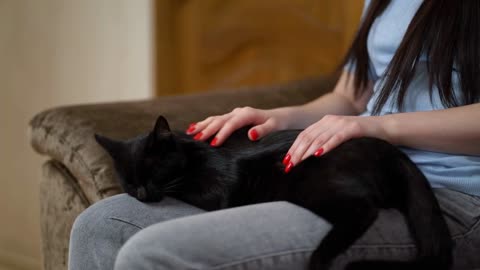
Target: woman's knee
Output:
[(153, 248), (96, 237), (102, 229), (95, 219), (88, 221)]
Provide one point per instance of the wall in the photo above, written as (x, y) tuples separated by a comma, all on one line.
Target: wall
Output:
[(57, 52)]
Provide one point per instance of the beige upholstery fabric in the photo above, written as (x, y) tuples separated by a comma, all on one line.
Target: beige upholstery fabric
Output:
[(81, 173), (64, 202)]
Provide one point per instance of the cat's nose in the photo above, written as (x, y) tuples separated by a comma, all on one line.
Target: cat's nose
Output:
[(141, 193)]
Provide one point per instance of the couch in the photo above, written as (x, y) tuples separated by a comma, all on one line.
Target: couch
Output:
[(79, 173)]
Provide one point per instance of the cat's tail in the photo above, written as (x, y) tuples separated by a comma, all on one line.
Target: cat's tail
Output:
[(426, 223), (425, 220)]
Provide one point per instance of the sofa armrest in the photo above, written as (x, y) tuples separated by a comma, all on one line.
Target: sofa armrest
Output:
[(66, 133)]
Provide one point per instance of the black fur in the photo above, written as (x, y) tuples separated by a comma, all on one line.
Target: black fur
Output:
[(347, 186)]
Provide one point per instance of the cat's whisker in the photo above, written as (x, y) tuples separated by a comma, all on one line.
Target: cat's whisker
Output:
[(169, 185), (176, 181), (171, 190), (172, 184)]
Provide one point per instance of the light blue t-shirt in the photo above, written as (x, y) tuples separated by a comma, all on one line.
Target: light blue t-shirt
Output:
[(457, 172)]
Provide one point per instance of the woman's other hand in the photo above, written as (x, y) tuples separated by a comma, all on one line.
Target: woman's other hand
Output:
[(329, 132)]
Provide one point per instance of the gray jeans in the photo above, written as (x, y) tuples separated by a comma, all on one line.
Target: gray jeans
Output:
[(123, 233)]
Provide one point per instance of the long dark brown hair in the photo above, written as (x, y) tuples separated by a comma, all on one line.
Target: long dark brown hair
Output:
[(446, 31)]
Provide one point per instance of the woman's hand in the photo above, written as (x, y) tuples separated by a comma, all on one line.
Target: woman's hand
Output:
[(332, 130), (223, 126)]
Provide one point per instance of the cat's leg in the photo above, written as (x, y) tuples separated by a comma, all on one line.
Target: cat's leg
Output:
[(100, 231), (351, 223)]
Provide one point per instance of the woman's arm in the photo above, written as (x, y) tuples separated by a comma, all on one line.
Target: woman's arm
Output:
[(341, 101), (455, 130)]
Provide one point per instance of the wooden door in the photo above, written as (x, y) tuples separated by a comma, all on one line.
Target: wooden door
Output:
[(211, 44)]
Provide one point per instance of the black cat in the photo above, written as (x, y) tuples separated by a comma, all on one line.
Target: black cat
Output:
[(347, 186)]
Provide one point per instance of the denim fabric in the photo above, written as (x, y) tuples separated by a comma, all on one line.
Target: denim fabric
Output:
[(122, 233)]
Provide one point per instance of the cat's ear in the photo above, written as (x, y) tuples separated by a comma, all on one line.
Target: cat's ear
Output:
[(113, 147), (162, 129)]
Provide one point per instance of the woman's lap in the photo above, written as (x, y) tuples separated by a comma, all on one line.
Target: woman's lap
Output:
[(260, 236), (389, 237), (102, 229), (264, 236)]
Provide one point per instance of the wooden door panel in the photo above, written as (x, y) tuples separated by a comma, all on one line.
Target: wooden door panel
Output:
[(221, 43)]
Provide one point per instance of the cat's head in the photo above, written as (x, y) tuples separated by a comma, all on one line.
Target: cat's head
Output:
[(147, 166)]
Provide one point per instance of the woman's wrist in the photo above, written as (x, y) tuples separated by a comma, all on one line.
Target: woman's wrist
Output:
[(298, 117), (287, 117), (381, 127), (389, 125)]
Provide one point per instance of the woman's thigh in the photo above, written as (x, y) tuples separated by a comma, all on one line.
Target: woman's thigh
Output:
[(389, 237), (280, 235), (276, 235), (100, 231)]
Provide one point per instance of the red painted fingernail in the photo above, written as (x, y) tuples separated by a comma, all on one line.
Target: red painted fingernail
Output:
[(254, 134), (289, 167), (286, 159), (198, 136), (214, 142), (191, 128), (319, 152)]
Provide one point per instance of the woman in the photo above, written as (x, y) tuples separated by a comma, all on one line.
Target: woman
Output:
[(412, 77)]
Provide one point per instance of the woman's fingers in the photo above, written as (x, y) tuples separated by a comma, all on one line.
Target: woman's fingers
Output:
[(322, 137), (318, 146), (228, 128), (212, 129), (211, 125), (348, 131), (222, 126), (261, 130), (195, 128), (242, 117), (304, 145)]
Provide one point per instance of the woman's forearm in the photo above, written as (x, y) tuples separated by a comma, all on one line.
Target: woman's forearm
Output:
[(300, 117), (455, 130), (341, 101)]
